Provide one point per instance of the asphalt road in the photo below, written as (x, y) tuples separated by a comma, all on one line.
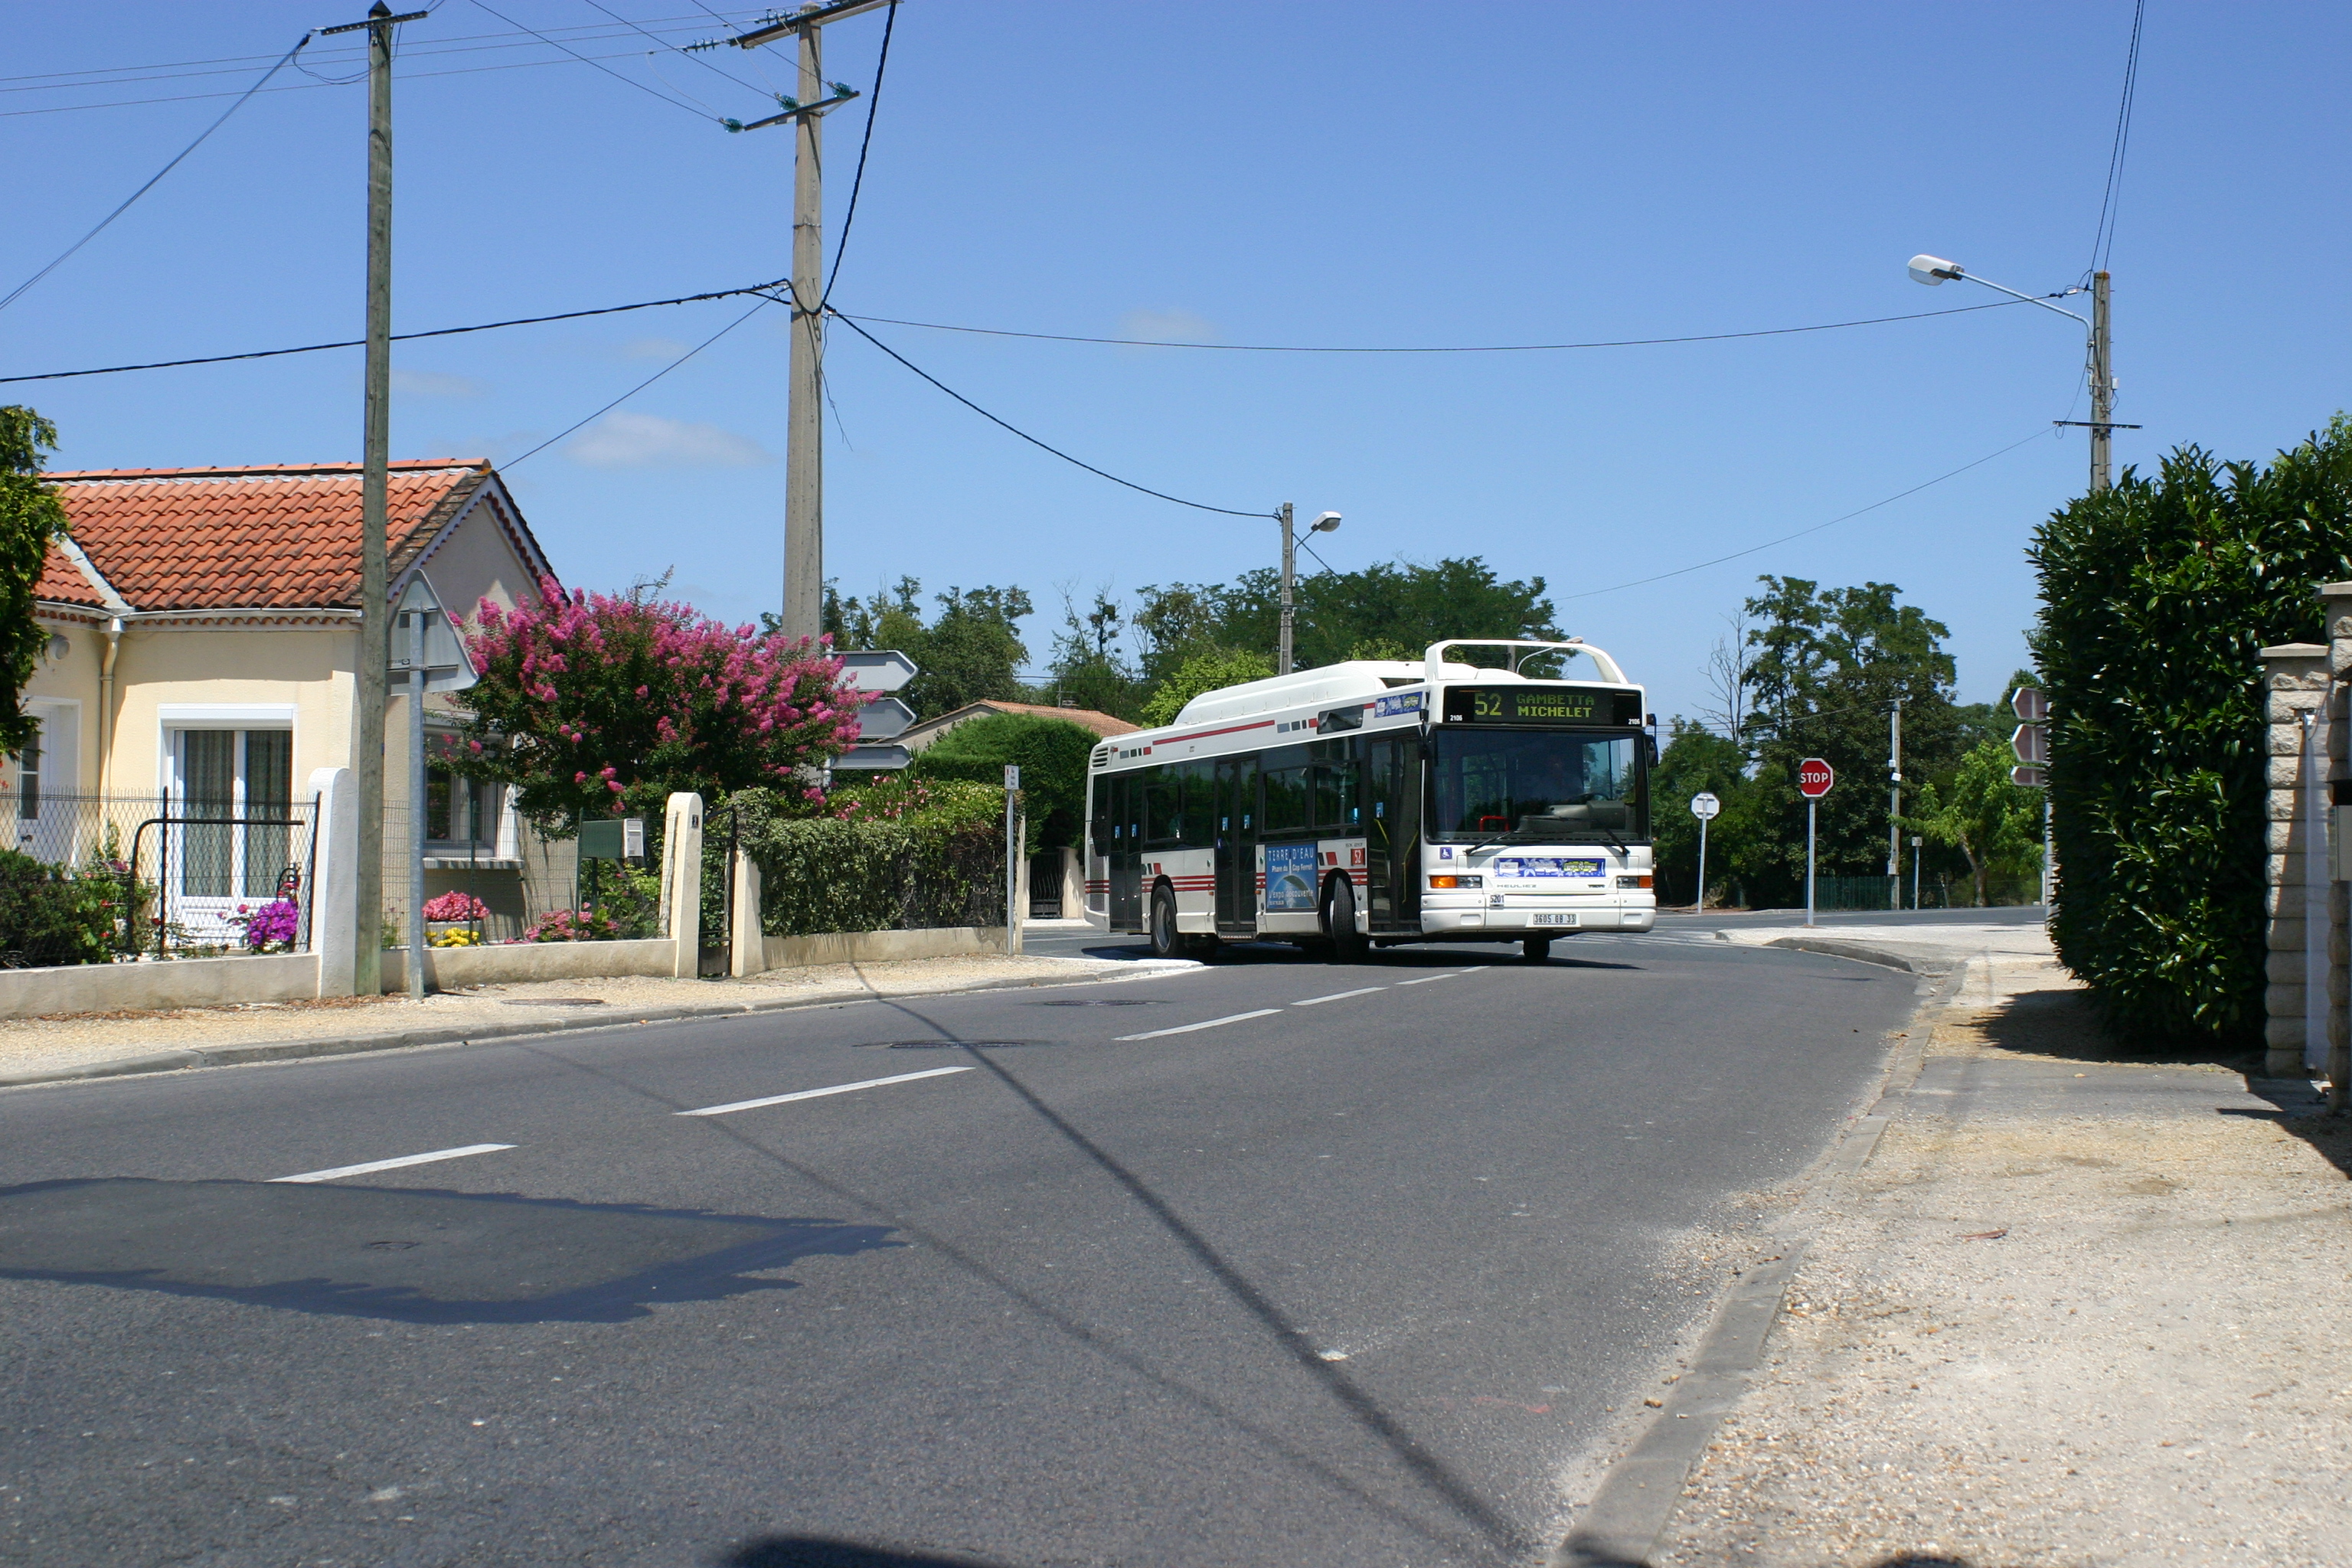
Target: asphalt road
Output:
[(1341, 1276)]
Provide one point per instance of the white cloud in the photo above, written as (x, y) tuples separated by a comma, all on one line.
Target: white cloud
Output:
[(626, 441), (1171, 326), (432, 384), (654, 348)]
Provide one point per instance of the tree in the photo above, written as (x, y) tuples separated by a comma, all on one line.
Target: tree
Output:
[(592, 705), (1829, 665), (1051, 754), (1996, 824), (30, 517), (1208, 670), (1088, 670), (972, 653), (1695, 759)]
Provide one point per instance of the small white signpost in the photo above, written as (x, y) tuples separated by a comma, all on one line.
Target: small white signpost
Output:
[(1814, 780), (1012, 861), (1706, 808)]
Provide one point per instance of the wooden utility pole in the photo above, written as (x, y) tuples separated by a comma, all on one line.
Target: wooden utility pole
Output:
[(2103, 386), (375, 645), (1289, 609), (805, 410)]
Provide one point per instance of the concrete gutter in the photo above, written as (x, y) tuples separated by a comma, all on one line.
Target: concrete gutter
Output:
[(301, 1050)]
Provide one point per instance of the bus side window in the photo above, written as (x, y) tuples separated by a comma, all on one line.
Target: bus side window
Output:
[(1159, 803), (1287, 799)]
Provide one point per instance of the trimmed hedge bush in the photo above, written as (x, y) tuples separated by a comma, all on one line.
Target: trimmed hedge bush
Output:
[(915, 856), (2158, 598)]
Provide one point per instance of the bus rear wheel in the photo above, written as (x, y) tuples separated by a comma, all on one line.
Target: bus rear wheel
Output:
[(1165, 941), (1535, 949)]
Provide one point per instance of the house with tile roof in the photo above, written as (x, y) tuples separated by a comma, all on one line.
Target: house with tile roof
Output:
[(917, 736), (205, 648)]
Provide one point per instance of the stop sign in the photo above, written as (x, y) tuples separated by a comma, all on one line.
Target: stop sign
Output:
[(1815, 777)]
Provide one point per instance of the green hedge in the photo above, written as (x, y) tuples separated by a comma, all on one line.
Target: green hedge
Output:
[(929, 855), (2158, 598), (52, 917)]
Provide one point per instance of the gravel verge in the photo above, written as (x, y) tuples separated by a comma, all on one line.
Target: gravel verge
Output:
[(2026, 1333)]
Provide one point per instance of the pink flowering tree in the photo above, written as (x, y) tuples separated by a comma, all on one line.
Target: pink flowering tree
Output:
[(590, 705)]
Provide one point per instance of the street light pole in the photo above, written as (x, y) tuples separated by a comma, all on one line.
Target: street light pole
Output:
[(1290, 611), (1935, 270)]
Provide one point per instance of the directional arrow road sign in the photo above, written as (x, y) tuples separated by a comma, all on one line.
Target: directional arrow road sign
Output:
[(2031, 703), (883, 718), (872, 759), (2031, 744), (876, 673)]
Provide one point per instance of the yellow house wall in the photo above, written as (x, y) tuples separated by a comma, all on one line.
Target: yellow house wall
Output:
[(309, 669)]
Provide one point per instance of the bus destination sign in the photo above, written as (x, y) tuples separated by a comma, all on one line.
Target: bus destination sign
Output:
[(1541, 705)]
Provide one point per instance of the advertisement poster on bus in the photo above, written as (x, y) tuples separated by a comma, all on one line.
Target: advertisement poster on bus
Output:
[(1290, 877)]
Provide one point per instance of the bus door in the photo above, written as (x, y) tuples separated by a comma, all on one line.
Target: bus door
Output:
[(1126, 852), (1236, 827), (1392, 831)]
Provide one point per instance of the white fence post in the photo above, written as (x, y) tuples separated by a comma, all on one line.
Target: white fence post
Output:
[(681, 900), (334, 889)]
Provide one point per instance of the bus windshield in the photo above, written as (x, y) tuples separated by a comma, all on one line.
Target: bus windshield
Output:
[(1540, 786)]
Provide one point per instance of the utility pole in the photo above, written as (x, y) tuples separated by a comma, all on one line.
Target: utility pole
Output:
[(804, 385), (375, 644), (1894, 806), (1289, 609), (2103, 386)]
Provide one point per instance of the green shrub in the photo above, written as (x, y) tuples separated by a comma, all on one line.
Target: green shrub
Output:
[(2158, 598), (939, 861), (49, 915), (1050, 752)]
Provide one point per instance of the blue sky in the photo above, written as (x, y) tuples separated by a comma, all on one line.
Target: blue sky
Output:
[(1359, 174)]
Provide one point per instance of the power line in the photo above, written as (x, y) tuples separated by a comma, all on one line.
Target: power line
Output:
[(665, 43), (1848, 517), (1056, 451), (118, 212), (234, 64), (873, 106), (400, 337), (2103, 242), (764, 303), (583, 60), (1443, 349), (312, 86)]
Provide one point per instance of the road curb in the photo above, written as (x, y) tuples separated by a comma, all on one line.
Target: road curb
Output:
[(303, 1050), (1638, 1496), (1836, 947)]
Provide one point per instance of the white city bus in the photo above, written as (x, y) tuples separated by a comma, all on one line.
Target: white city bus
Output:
[(1373, 803)]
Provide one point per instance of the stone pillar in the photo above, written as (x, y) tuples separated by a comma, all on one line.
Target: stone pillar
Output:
[(747, 945), (334, 889), (681, 895), (2336, 602)]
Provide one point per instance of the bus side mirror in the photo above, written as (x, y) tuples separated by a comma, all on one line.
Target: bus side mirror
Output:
[(1650, 745)]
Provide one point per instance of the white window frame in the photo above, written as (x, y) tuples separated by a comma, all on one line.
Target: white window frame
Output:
[(176, 719)]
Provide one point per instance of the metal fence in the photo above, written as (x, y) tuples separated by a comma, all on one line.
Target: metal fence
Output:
[(160, 874)]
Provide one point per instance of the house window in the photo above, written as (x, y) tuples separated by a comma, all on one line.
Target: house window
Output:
[(460, 811), (244, 780)]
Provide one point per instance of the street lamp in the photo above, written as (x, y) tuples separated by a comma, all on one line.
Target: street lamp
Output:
[(1934, 271), (1322, 524)]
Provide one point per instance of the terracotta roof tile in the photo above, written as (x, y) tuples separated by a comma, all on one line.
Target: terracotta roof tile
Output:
[(279, 538)]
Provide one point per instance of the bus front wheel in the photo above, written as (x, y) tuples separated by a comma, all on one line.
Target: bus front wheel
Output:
[(1165, 941), (1346, 943)]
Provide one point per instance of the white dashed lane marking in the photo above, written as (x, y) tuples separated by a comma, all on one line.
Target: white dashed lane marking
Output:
[(820, 1093), (375, 1165)]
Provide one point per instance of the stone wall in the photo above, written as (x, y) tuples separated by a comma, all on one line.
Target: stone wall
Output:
[(2296, 689)]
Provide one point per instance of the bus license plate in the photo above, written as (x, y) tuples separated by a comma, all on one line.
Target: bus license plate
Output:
[(1552, 919)]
